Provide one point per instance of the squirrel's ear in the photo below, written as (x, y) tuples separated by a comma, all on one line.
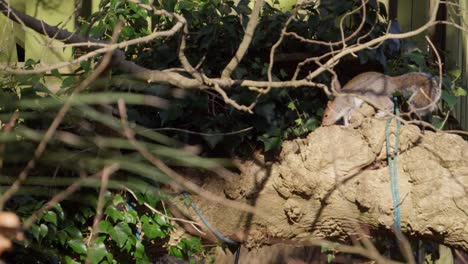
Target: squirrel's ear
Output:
[(335, 85)]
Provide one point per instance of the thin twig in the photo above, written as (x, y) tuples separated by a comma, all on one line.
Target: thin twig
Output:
[(99, 208)]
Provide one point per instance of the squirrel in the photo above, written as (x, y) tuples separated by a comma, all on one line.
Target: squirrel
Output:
[(377, 88)]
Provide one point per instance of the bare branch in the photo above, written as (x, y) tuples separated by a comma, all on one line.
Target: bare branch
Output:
[(245, 43), (99, 208)]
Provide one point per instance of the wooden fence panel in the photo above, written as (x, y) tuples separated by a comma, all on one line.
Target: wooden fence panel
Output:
[(461, 111), (413, 14), (54, 12), (12, 34)]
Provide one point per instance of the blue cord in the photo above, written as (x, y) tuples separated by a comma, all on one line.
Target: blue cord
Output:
[(216, 232), (392, 166), (237, 255), (130, 207)]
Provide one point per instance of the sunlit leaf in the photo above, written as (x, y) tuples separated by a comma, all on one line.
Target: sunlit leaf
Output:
[(78, 246)]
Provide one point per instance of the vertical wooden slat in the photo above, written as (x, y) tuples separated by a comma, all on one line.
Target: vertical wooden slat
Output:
[(411, 15), (11, 34), (392, 8), (95, 5), (454, 43), (464, 51), (462, 106), (7, 42), (405, 9), (438, 32), (419, 16)]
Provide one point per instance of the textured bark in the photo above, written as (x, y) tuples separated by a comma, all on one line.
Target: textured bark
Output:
[(320, 186)]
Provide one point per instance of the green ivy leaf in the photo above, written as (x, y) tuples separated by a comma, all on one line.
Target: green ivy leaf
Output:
[(151, 198), (73, 232), (140, 253), (62, 237), (130, 243), (43, 230), (418, 58), (115, 214), (270, 142), (120, 234), (56, 73), (186, 5), (78, 246), (69, 82), (117, 200), (59, 210), (213, 140), (127, 32), (28, 64), (176, 252), (34, 229), (192, 244), (150, 228), (438, 121), (323, 249), (130, 216), (39, 87), (98, 31), (104, 227), (86, 65), (50, 217), (69, 260), (160, 220), (450, 99), (98, 252), (455, 73), (311, 124), (169, 5), (459, 91), (87, 211)]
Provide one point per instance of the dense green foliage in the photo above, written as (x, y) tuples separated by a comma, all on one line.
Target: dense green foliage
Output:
[(89, 139)]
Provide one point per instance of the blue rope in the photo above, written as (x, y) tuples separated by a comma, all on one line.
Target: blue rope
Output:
[(237, 255), (392, 166), (216, 232), (130, 207)]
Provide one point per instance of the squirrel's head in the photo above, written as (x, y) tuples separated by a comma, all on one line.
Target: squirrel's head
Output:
[(328, 115), (336, 110)]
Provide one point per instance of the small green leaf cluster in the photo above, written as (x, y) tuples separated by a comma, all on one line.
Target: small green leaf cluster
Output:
[(187, 248), (122, 235)]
